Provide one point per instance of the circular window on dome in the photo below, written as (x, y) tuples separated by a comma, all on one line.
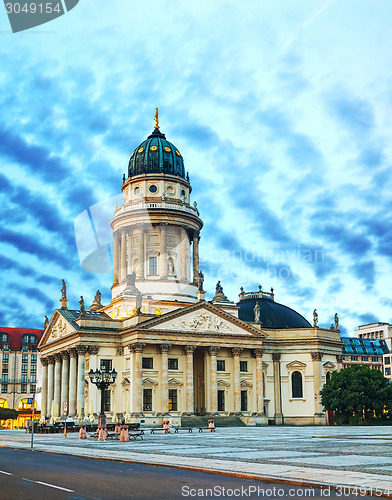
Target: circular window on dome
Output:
[(170, 189), (153, 188), (137, 190), (178, 153), (140, 150), (153, 148), (167, 149)]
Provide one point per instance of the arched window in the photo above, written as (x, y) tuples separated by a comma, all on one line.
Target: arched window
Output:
[(296, 384), (328, 376)]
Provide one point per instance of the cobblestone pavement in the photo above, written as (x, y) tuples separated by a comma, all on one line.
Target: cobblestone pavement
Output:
[(354, 456)]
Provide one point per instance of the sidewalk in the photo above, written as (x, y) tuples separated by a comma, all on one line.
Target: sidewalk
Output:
[(359, 457)]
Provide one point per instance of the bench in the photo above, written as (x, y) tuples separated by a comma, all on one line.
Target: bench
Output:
[(176, 429), (167, 431), (136, 434), (211, 429)]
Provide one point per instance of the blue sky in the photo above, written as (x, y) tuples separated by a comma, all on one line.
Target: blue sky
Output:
[(282, 112)]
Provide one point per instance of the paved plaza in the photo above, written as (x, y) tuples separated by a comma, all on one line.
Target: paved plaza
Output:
[(344, 456)]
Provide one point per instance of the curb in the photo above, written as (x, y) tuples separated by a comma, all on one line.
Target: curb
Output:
[(265, 479)]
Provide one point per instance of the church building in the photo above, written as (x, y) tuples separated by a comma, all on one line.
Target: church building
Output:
[(175, 353)]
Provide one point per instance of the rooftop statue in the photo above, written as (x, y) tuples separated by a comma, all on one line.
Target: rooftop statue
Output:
[(64, 291), (315, 318), (256, 311)]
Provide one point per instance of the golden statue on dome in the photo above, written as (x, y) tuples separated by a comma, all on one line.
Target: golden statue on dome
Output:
[(156, 119)]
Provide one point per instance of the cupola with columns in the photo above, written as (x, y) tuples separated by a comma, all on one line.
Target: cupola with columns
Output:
[(156, 229)]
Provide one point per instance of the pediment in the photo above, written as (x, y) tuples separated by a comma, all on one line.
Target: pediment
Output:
[(296, 365), (203, 318), (329, 365), (246, 383), (149, 381), (223, 383), (57, 328), (174, 381)]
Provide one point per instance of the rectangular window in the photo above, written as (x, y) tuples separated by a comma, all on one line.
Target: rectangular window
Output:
[(365, 358), (147, 399), (106, 401), (106, 364), (375, 360), (24, 368), (173, 364), (243, 366), (33, 369), (33, 379), (147, 363), (387, 360), (33, 348), (221, 400), (4, 388), (172, 399), (4, 378), (25, 348), (33, 358), (6, 347), (220, 365), (5, 369), (23, 389), (354, 358), (5, 358), (153, 265), (25, 358), (244, 400), (24, 379), (32, 389), (387, 371)]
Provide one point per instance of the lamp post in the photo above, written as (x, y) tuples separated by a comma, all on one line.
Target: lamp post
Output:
[(102, 379)]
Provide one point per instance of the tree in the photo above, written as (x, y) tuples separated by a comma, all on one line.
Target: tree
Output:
[(356, 394), (7, 413)]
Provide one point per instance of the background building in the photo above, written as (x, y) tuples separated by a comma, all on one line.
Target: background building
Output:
[(376, 331), (20, 369)]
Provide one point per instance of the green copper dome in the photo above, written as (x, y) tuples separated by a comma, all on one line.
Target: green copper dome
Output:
[(156, 155)]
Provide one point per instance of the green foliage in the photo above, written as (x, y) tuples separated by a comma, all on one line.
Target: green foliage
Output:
[(7, 413), (356, 395)]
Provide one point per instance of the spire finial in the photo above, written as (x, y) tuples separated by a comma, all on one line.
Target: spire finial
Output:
[(156, 119)]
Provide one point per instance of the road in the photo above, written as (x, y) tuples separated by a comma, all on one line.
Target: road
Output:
[(45, 476)]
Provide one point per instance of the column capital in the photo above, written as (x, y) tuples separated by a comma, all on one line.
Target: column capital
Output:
[(64, 354), (189, 349), (163, 224), (213, 350), (81, 349), (44, 361), (258, 353), (316, 356), (50, 359), (140, 226), (72, 352), (119, 350), (164, 348), (276, 356), (93, 349), (57, 356), (136, 347), (236, 351)]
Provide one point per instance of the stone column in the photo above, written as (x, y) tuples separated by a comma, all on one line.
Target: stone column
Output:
[(123, 258), (50, 385), (236, 351), (64, 382), (116, 259), (57, 384), (189, 350), (44, 389), (137, 388), (163, 259), (317, 384), (140, 253), (259, 381), (81, 350), (164, 349), (129, 252), (72, 383), (277, 389), (184, 254), (213, 352), (195, 256)]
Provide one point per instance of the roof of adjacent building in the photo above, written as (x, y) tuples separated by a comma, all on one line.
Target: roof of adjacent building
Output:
[(371, 347), (15, 336), (156, 155), (272, 314)]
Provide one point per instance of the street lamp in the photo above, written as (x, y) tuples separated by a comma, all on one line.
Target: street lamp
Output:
[(102, 379)]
